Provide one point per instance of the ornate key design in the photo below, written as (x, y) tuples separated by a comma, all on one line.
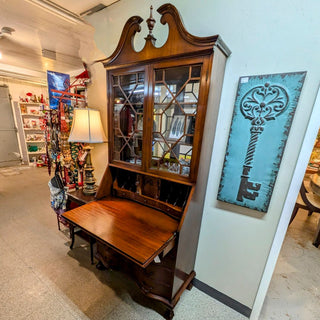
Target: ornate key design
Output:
[(259, 104)]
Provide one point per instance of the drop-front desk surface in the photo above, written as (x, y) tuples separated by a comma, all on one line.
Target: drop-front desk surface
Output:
[(138, 232)]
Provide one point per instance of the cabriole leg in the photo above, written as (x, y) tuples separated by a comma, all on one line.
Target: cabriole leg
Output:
[(71, 235), (169, 314)]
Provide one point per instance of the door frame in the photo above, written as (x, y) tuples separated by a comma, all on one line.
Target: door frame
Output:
[(12, 162)]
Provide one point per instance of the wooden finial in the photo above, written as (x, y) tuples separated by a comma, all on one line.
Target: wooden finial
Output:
[(151, 22)]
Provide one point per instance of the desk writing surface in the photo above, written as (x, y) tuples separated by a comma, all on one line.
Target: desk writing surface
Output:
[(137, 231)]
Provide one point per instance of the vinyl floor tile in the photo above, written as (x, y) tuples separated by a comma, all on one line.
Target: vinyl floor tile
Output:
[(294, 291), (42, 279)]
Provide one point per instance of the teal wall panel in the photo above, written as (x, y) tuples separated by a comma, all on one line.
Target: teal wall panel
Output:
[(262, 117)]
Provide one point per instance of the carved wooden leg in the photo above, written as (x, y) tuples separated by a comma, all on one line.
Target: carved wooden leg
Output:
[(100, 266), (294, 213), (71, 235), (58, 223), (190, 286), (316, 241), (92, 241), (169, 314)]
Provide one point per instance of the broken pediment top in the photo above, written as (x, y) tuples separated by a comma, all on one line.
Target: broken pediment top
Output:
[(179, 42)]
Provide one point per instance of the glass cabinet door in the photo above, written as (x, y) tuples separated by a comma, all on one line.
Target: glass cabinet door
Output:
[(175, 106), (128, 99)]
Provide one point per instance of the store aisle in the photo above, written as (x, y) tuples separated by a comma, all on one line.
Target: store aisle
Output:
[(41, 278), (294, 292)]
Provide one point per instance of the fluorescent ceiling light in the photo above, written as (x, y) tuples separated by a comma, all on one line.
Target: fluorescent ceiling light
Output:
[(57, 10), (0, 55)]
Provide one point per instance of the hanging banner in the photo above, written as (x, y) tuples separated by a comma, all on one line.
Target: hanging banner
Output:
[(262, 117), (57, 82)]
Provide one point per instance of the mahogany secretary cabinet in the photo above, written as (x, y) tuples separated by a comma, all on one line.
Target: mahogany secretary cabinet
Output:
[(148, 208)]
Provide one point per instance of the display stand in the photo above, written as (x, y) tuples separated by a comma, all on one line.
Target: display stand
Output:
[(31, 123), (58, 148)]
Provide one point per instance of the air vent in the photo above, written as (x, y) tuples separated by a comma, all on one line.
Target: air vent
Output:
[(7, 30), (49, 54)]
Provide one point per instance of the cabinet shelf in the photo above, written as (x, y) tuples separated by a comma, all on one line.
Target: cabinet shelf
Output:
[(133, 103), (173, 211), (180, 102), (172, 141), (123, 165), (127, 137)]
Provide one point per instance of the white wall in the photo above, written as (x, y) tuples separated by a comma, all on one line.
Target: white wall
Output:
[(97, 99), (264, 37), (19, 88)]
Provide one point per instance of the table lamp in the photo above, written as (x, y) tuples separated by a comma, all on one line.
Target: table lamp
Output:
[(87, 128)]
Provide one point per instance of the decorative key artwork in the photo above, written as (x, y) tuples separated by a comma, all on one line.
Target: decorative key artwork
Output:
[(262, 117)]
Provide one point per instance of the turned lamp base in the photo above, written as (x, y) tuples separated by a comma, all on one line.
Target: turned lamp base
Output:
[(89, 181)]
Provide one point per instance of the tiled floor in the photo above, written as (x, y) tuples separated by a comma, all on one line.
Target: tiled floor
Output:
[(294, 292), (41, 278)]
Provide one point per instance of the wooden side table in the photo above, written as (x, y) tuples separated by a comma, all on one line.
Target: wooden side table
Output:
[(77, 199)]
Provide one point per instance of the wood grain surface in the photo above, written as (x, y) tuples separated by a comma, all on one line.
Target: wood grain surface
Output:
[(137, 231)]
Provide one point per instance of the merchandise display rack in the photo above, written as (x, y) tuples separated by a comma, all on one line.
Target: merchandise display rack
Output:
[(31, 123), (61, 153)]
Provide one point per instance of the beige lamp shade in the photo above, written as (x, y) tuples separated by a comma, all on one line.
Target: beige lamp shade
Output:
[(86, 126)]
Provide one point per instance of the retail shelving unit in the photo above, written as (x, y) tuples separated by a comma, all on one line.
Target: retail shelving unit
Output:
[(31, 128)]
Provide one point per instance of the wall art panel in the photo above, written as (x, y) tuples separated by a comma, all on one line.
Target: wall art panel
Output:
[(262, 117), (57, 81)]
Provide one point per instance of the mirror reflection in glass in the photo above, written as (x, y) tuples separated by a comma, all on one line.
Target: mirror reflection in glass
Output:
[(176, 95)]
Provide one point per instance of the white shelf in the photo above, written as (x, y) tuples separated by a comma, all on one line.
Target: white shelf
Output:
[(35, 141), (32, 103), (32, 115), (37, 152), (33, 129)]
